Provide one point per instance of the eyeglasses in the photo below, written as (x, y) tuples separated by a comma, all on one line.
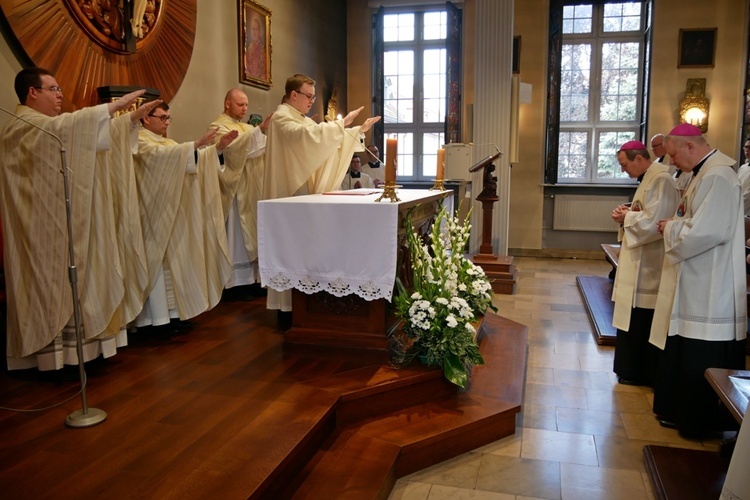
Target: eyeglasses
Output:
[(310, 97), (54, 88), (163, 118), (656, 145)]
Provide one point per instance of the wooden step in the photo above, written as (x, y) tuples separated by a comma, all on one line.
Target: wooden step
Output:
[(363, 459), (596, 292)]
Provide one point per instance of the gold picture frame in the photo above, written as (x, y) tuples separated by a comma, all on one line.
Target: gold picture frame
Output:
[(254, 44)]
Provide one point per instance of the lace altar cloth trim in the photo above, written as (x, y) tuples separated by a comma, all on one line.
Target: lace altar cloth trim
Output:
[(338, 286)]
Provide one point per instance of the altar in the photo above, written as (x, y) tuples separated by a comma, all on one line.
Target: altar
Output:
[(340, 253)]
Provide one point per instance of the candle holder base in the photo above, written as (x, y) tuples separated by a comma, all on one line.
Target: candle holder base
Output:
[(438, 186), (389, 191)]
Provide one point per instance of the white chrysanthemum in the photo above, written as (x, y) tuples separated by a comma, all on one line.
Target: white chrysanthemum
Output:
[(442, 300), (451, 321)]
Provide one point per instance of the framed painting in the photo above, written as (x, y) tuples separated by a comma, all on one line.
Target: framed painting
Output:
[(255, 44), (697, 48), (516, 55)]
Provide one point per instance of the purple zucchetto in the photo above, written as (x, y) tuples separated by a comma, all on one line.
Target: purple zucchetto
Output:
[(632, 145), (686, 130)]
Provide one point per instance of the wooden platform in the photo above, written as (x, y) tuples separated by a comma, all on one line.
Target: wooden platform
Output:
[(684, 474), (225, 410), (596, 292)]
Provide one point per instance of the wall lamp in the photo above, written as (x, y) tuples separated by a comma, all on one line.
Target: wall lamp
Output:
[(694, 107)]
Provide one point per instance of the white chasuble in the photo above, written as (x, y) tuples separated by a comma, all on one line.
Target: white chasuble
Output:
[(241, 182), (703, 289), (124, 199), (183, 221), (300, 152), (642, 251), (35, 229)]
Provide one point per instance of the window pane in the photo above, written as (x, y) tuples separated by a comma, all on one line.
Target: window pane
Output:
[(609, 143), (431, 142), (619, 82), (433, 85), (398, 91), (577, 19), (398, 27), (575, 83), (435, 25), (572, 154), (622, 17), (405, 157)]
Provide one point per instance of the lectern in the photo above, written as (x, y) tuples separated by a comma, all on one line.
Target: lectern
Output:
[(499, 269)]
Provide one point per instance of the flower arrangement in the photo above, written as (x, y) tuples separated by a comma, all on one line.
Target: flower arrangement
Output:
[(448, 294)]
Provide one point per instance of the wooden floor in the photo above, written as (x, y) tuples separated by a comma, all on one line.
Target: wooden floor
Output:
[(222, 410)]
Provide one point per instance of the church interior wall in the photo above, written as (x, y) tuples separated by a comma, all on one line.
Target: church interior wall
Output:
[(306, 37), (331, 42)]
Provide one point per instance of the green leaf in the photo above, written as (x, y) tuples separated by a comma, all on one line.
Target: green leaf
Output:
[(455, 371)]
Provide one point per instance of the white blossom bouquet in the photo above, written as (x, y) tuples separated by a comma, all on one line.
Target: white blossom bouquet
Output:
[(448, 294)]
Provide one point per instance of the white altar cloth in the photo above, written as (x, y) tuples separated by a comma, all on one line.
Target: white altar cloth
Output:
[(339, 243)]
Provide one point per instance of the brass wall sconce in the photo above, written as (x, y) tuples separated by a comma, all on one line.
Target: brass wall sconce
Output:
[(694, 107)]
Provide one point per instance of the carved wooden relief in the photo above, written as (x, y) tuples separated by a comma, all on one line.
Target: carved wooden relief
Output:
[(93, 43)]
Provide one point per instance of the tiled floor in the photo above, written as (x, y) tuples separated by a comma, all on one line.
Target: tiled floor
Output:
[(581, 434)]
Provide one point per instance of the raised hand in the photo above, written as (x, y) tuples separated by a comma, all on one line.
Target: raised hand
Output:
[(226, 140), (369, 123), (265, 123), (143, 110), (349, 118), (124, 102), (207, 138)]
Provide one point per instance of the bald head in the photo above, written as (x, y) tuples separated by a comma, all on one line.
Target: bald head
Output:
[(657, 145), (235, 104)]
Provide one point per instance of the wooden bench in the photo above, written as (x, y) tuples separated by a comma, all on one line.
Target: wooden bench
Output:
[(596, 292)]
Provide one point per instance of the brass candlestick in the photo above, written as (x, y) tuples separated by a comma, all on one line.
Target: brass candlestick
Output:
[(438, 186), (389, 191)]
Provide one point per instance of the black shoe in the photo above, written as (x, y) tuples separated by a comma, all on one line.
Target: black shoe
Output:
[(284, 319), (627, 381), (666, 422)]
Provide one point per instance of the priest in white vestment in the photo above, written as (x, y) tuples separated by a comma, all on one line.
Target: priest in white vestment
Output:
[(40, 323), (640, 261), (355, 178), (700, 318), (305, 157), (374, 167), (241, 186), (182, 220)]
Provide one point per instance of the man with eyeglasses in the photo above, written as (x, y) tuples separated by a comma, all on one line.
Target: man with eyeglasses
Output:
[(32, 201), (305, 157), (182, 219), (241, 185)]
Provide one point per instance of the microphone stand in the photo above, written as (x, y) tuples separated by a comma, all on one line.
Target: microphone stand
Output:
[(85, 417)]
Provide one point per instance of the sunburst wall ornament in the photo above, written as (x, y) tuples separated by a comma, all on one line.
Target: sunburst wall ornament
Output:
[(93, 43)]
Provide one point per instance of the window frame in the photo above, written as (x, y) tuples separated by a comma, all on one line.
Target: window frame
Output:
[(418, 128), (554, 127)]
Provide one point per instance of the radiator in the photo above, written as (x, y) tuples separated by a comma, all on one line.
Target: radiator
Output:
[(585, 213)]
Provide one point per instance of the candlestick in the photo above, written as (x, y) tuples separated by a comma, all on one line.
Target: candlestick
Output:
[(440, 164), (391, 154)]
